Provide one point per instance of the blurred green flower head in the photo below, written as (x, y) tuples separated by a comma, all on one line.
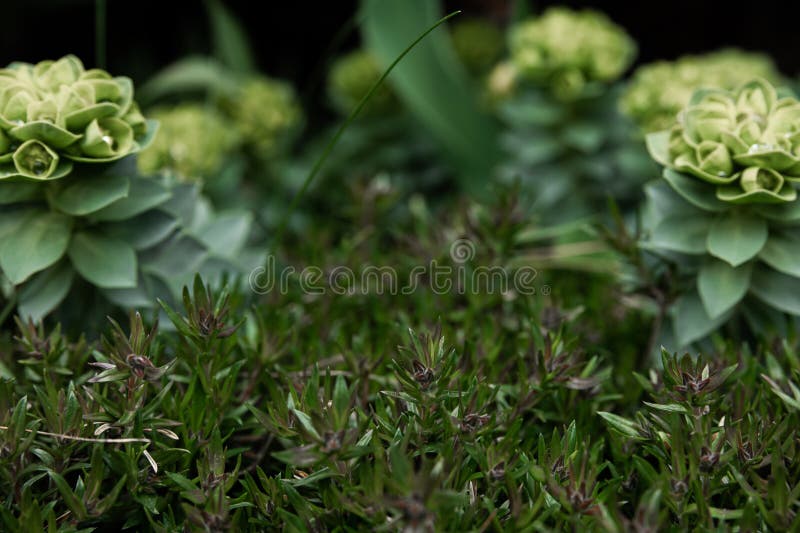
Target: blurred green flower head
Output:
[(478, 43), (566, 49), (57, 112), (350, 79), (192, 142), (266, 114), (658, 91), (745, 142)]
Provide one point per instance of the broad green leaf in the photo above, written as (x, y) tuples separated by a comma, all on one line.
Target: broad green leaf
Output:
[(697, 192), (178, 256), (144, 194), (433, 84), (104, 261), (691, 321), (737, 237), (782, 252), (143, 231), (226, 233), (44, 291), (778, 290), (11, 193), (88, 194), (683, 233), (32, 241), (230, 39), (722, 286)]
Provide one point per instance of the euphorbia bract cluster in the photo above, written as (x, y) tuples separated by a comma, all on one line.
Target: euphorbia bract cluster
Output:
[(730, 211), (55, 113)]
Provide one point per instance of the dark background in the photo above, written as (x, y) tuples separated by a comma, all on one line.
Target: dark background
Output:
[(293, 39)]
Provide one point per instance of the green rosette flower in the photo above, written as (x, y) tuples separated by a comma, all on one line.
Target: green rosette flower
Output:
[(193, 141), (129, 237), (568, 50), (478, 43), (350, 79), (62, 113), (266, 115), (658, 91), (727, 211)]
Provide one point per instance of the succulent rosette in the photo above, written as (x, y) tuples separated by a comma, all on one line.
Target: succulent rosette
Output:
[(727, 210), (56, 113), (556, 95), (76, 218), (658, 91), (569, 50)]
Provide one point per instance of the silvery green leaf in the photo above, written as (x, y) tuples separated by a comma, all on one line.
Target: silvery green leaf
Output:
[(722, 286), (736, 237)]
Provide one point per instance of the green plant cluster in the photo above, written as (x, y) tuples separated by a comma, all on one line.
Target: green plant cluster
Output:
[(478, 44), (351, 77), (730, 206), (225, 424), (567, 50), (658, 91), (193, 142), (56, 113)]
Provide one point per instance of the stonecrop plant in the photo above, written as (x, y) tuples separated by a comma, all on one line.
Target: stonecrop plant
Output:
[(564, 138), (729, 211), (76, 214), (567, 50), (658, 91)]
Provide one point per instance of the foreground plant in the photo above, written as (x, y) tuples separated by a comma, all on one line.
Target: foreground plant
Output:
[(727, 207)]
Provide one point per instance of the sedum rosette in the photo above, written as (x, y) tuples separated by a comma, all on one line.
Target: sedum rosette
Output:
[(192, 142), (727, 211), (78, 223), (658, 91), (56, 113), (350, 79), (567, 50)]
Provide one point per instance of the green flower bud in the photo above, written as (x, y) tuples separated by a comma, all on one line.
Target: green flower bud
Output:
[(746, 142), (763, 179), (34, 159), (107, 138), (564, 49), (350, 79), (714, 158), (478, 43)]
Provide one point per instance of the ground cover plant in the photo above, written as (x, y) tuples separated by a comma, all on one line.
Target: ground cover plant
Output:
[(487, 277)]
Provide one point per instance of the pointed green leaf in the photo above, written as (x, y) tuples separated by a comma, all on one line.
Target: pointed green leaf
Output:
[(682, 233), (722, 286), (777, 290), (106, 262), (690, 320), (737, 237), (44, 291), (144, 194), (697, 192), (88, 194), (32, 241), (782, 252)]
